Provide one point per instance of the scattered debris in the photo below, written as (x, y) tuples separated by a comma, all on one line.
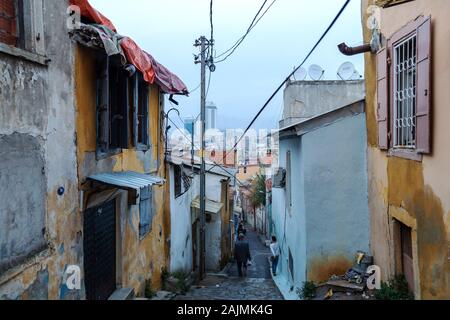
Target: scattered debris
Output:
[(328, 295)]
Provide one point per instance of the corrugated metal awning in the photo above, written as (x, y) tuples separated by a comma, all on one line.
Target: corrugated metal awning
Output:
[(211, 206), (128, 179)]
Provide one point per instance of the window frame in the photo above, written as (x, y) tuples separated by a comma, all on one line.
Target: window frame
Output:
[(30, 32), (177, 181), (104, 149), (415, 27), (146, 197), (288, 180), (142, 93)]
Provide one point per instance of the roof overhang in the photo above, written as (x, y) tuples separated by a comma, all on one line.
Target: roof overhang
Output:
[(210, 206), (128, 180)]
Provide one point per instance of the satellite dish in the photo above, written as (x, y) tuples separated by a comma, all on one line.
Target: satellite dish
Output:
[(356, 76), (300, 74), (316, 72), (346, 71)]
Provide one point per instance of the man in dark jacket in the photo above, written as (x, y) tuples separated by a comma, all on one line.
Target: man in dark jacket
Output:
[(242, 255)]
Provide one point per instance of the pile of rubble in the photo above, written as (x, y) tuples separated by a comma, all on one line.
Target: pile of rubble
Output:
[(353, 284)]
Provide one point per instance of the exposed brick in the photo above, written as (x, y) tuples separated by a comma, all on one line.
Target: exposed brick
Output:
[(8, 23)]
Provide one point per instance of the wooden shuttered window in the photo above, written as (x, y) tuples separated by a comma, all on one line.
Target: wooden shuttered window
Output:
[(423, 115), (141, 111), (392, 88), (114, 101), (383, 99), (146, 211), (102, 105)]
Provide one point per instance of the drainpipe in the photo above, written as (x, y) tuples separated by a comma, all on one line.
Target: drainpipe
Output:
[(351, 51)]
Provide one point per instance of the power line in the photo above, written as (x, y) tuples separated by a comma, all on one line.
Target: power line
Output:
[(241, 39), (246, 33), (292, 73)]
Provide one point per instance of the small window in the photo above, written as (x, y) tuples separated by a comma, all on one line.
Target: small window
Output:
[(146, 211), (177, 181), (288, 179)]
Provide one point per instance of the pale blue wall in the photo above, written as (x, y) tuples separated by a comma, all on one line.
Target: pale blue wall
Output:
[(290, 226), (329, 189), (335, 167)]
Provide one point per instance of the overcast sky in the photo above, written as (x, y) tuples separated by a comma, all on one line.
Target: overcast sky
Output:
[(240, 86)]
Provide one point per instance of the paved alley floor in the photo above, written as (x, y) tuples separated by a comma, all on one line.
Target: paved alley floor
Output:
[(258, 285)]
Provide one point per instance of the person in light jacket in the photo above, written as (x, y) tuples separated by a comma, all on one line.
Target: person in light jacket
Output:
[(275, 249)]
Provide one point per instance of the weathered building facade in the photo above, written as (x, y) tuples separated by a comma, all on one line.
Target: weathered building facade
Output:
[(319, 195), (82, 170), (185, 216), (408, 142)]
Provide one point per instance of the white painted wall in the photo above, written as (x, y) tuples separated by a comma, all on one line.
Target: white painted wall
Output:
[(181, 225)]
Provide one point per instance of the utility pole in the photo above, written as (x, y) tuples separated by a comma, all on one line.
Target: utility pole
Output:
[(202, 42)]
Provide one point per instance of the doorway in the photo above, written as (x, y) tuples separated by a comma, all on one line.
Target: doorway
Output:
[(407, 255), (99, 240)]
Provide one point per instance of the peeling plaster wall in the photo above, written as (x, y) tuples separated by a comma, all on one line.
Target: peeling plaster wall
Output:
[(142, 259), (415, 193), (37, 104)]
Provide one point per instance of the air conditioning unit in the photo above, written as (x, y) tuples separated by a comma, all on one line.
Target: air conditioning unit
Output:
[(279, 178)]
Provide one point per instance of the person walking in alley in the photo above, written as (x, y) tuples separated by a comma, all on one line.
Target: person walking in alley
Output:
[(275, 249), (242, 255)]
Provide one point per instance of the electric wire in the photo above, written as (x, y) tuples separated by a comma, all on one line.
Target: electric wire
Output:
[(290, 75), (241, 39)]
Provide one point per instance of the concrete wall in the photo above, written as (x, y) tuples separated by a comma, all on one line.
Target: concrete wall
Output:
[(414, 193), (335, 187), (305, 99), (289, 225), (37, 124)]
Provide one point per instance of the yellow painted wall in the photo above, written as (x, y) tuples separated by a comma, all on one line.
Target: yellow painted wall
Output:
[(144, 259), (415, 193)]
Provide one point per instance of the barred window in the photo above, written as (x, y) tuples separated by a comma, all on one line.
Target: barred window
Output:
[(405, 55)]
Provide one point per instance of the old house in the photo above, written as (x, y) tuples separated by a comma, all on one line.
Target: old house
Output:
[(81, 137), (185, 215), (319, 194), (407, 85)]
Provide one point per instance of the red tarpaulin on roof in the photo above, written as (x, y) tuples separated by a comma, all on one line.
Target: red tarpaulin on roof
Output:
[(152, 70)]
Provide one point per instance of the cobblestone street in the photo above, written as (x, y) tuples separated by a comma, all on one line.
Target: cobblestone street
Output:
[(258, 285)]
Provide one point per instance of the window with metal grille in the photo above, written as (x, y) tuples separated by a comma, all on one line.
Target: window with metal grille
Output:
[(404, 91), (405, 58)]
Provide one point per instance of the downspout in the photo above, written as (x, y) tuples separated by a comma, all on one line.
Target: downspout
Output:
[(351, 51)]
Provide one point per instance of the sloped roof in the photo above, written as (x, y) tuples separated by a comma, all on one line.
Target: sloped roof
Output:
[(151, 69)]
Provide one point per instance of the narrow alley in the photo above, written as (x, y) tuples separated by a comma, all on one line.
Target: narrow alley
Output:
[(258, 285)]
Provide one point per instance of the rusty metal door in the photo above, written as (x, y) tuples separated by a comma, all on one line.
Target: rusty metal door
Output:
[(407, 255), (100, 251)]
